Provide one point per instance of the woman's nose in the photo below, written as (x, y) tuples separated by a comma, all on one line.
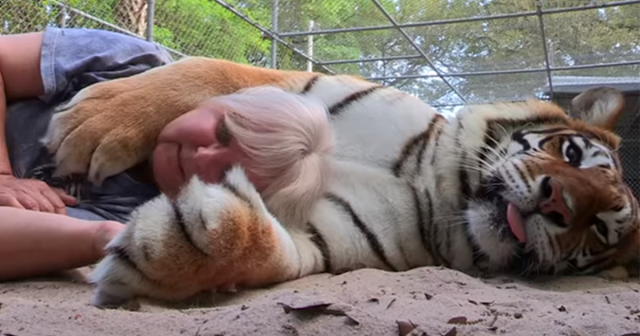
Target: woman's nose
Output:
[(199, 132)]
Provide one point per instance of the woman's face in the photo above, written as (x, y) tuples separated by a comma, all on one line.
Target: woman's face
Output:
[(196, 143)]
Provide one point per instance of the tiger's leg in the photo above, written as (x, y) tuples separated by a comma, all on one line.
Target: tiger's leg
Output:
[(214, 236)]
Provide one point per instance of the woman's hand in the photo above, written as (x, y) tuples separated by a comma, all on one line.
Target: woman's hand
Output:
[(33, 195)]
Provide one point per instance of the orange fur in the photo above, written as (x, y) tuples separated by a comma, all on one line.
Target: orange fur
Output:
[(243, 252)]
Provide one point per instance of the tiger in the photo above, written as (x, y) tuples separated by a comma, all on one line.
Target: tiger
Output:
[(516, 188)]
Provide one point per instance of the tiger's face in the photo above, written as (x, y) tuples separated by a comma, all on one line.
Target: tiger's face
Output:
[(552, 198)]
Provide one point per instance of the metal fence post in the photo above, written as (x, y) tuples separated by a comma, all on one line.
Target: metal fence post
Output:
[(274, 30), (310, 48), (62, 16), (151, 7)]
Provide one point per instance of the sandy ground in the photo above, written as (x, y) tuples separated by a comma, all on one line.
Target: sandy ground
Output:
[(424, 301)]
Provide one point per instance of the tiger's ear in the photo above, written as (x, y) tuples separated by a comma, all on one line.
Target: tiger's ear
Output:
[(598, 107)]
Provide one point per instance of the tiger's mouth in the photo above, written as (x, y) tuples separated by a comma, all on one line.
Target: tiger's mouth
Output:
[(509, 221), (497, 229)]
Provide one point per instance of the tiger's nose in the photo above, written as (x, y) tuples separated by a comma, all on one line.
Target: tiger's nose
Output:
[(552, 203)]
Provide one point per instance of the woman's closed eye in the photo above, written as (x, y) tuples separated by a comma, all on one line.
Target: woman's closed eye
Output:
[(222, 134)]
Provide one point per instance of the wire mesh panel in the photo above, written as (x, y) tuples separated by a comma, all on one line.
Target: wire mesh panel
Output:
[(23, 16), (502, 87), (304, 16), (446, 38), (204, 28), (594, 36), (475, 46)]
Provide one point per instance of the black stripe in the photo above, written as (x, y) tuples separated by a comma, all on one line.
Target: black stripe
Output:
[(535, 120), (179, 218), (433, 232), (575, 268), (476, 253), (490, 140), (310, 84), (145, 251), (236, 193), (421, 140), (594, 266), (463, 176), (406, 153), (422, 225), (420, 154), (122, 255), (427, 140), (616, 159), (319, 241), (523, 177), (373, 241), (435, 146), (551, 244), (548, 138), (510, 177), (519, 138), (426, 225), (527, 167), (338, 107), (463, 179), (547, 130)]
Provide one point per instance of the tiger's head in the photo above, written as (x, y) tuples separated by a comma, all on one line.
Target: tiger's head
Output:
[(551, 198)]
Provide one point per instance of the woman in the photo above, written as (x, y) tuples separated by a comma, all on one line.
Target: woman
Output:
[(53, 223), (46, 224)]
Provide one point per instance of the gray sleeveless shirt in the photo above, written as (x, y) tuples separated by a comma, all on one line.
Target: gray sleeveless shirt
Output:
[(72, 59)]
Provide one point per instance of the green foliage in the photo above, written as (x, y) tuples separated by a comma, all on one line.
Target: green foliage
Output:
[(204, 28)]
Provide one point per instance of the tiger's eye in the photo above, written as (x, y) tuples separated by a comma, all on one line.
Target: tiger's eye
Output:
[(601, 227), (573, 154)]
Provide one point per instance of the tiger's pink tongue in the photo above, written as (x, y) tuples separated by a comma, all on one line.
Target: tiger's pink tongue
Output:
[(514, 218)]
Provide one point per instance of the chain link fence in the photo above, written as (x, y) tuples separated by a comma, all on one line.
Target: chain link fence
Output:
[(446, 52)]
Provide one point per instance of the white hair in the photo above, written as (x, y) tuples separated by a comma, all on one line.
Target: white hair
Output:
[(288, 140)]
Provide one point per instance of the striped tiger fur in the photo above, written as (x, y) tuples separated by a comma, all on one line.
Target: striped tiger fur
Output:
[(411, 188)]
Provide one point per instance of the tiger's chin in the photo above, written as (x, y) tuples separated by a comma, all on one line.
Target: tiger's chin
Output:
[(504, 247), (489, 231)]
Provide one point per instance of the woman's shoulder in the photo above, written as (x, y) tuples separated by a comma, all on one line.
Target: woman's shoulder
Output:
[(99, 41)]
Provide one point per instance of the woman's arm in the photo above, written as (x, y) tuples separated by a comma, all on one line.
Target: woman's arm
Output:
[(36, 243), (20, 78), (20, 65)]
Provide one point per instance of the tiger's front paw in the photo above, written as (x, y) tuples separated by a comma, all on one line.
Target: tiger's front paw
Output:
[(214, 236), (615, 273), (111, 126)]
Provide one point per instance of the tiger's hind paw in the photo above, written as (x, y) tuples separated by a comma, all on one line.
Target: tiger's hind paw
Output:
[(212, 237), (111, 295), (115, 282)]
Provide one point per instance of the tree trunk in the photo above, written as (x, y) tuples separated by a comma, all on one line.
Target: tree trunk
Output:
[(131, 15)]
